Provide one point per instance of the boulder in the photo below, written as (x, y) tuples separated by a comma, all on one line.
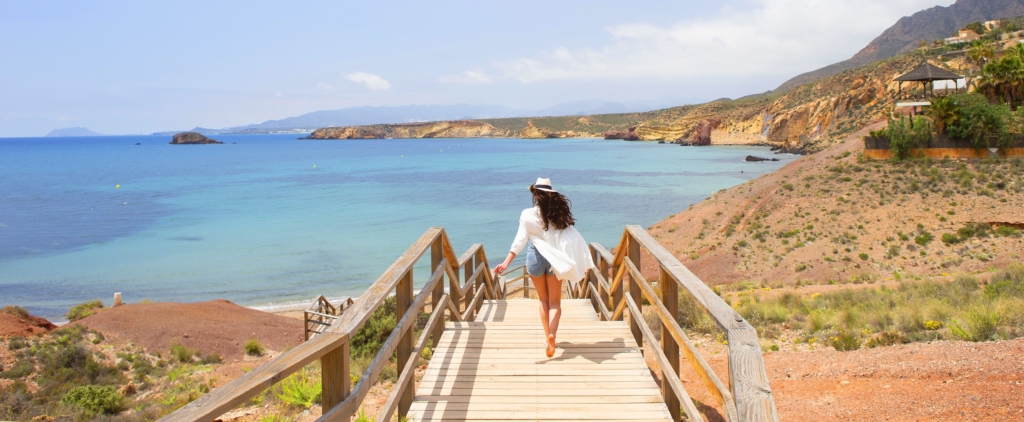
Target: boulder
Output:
[(184, 138), (753, 158)]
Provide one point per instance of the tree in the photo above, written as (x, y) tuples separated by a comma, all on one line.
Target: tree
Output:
[(981, 123), (976, 26), (905, 135), (979, 52), (942, 112)]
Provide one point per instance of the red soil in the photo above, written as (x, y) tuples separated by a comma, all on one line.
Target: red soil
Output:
[(216, 326), (17, 326)]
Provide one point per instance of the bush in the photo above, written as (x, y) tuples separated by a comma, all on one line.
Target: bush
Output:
[(369, 339), (83, 310), (905, 135), (863, 256), (1008, 283), (950, 238), (301, 389), (94, 399), (886, 338), (20, 369), (977, 325), (980, 122), (845, 341), (1007, 231), (254, 348), (184, 354), (15, 310), (924, 238), (17, 343), (211, 359)]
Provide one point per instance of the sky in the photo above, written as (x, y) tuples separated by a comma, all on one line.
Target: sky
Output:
[(123, 67)]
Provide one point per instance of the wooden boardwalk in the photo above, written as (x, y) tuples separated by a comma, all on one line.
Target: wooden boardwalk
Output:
[(495, 369)]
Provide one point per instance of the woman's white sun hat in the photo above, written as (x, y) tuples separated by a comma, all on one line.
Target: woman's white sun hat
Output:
[(544, 185)]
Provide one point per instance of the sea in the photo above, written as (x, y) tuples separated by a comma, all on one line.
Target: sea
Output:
[(266, 220)]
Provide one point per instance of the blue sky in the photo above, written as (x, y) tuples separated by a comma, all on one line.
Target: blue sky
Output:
[(138, 67)]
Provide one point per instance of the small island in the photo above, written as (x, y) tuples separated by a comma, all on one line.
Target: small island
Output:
[(184, 138)]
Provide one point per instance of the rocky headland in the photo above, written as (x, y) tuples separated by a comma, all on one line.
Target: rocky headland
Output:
[(192, 138)]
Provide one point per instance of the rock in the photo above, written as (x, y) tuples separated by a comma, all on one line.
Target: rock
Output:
[(702, 136), (184, 138), (660, 142), (753, 158), (628, 135)]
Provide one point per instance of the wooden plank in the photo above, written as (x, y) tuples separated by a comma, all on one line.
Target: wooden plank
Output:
[(335, 378), (514, 386), (436, 261), (403, 303), (543, 414), (620, 397), (669, 302), (748, 377), (537, 378), (633, 261), (583, 408)]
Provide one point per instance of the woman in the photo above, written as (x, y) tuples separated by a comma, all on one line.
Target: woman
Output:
[(557, 252)]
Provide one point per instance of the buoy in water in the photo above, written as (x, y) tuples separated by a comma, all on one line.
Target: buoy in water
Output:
[(117, 187)]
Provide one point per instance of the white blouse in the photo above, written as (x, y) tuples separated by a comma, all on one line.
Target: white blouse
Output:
[(565, 250)]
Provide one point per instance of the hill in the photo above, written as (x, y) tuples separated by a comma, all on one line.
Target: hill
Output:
[(927, 25), (71, 131)]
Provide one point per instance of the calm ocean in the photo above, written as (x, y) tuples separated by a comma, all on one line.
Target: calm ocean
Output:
[(270, 219)]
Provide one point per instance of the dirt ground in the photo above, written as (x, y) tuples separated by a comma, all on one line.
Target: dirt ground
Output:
[(935, 381), (216, 326), (12, 325)]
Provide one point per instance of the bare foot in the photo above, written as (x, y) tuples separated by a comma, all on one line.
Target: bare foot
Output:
[(551, 345)]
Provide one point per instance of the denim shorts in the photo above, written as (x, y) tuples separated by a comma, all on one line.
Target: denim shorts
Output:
[(536, 265)]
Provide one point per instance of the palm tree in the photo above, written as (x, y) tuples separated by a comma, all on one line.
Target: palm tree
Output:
[(979, 53), (942, 111)]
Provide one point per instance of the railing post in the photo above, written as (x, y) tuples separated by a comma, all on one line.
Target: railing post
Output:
[(669, 298), (526, 284), (633, 255), (335, 378), (478, 259), (436, 256), (616, 293), (470, 291), (403, 301)]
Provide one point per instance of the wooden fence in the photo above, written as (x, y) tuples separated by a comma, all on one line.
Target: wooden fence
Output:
[(321, 314), (749, 395), (340, 399)]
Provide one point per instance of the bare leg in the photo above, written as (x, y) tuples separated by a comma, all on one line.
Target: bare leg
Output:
[(542, 293), (554, 286)]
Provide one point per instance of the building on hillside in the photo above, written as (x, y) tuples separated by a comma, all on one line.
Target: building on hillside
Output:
[(990, 25), (966, 35)]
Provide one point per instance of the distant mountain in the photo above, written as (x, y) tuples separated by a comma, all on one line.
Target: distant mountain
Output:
[(72, 131), (927, 25), (366, 115)]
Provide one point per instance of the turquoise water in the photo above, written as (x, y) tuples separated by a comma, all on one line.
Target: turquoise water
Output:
[(253, 221)]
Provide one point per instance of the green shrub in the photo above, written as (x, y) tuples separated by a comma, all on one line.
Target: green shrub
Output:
[(94, 399), (17, 343), (863, 256), (924, 238), (950, 238), (1007, 283), (845, 341), (981, 123), (83, 310), (1007, 231), (905, 135), (20, 369), (979, 324), (184, 354), (301, 389), (369, 339), (211, 359), (254, 348)]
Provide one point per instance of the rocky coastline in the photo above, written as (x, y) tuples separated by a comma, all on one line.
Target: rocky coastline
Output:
[(192, 138)]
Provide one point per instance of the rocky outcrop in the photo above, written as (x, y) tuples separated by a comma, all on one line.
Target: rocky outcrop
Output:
[(449, 129), (186, 138), (702, 136), (753, 158), (629, 134)]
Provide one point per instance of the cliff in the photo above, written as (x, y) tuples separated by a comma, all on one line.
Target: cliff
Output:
[(447, 129)]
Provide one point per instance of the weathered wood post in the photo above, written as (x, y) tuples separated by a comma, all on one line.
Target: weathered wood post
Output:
[(633, 255), (669, 298), (436, 256), (616, 292), (479, 260), (470, 291), (403, 301), (335, 377)]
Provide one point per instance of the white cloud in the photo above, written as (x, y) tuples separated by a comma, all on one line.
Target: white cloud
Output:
[(773, 37), (325, 87), (278, 94), (471, 77), (369, 80)]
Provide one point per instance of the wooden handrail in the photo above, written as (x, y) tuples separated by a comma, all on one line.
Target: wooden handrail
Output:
[(671, 377), (331, 346), (711, 380), (749, 396)]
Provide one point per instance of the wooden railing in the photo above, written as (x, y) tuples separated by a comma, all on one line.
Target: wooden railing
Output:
[(749, 395), (321, 314), (340, 399)]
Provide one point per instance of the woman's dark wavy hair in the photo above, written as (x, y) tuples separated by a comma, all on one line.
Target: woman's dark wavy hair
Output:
[(555, 209)]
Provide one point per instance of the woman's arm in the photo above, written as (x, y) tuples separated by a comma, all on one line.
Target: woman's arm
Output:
[(502, 266)]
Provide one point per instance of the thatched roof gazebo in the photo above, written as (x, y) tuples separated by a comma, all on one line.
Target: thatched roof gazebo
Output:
[(925, 74)]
